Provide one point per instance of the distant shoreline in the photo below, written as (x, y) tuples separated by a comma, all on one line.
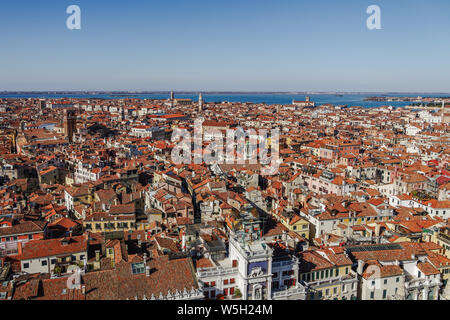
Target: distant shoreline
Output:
[(126, 93)]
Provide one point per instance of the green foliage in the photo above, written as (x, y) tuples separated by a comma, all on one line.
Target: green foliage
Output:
[(58, 270)]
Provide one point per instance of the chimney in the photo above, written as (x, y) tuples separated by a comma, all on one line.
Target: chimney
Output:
[(19, 248), (97, 255), (184, 242), (377, 230), (360, 267)]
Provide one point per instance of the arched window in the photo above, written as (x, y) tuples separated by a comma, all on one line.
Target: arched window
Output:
[(409, 297), (430, 295)]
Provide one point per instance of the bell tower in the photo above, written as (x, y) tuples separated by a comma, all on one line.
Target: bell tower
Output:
[(200, 102), (70, 123)]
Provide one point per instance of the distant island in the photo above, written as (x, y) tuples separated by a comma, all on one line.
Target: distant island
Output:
[(418, 100)]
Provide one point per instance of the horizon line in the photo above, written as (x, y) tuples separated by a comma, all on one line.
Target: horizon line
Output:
[(312, 92)]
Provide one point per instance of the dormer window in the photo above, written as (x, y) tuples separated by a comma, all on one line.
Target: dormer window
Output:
[(138, 268)]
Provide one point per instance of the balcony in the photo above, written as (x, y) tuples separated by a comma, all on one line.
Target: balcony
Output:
[(284, 293), (348, 278), (217, 271), (444, 237), (412, 283)]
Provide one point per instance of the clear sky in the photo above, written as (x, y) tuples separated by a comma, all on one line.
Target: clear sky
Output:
[(240, 45)]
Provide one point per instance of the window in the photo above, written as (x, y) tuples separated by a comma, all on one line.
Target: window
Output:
[(44, 263), (232, 280), (53, 261), (138, 268), (213, 284), (346, 270), (372, 294), (385, 281), (225, 292), (397, 280), (335, 290), (30, 237), (231, 291), (384, 294), (225, 281), (26, 265), (337, 272)]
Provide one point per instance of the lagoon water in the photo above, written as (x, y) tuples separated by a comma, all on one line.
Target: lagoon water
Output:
[(268, 98)]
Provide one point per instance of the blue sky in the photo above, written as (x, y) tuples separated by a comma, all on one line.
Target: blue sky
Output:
[(241, 45)]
